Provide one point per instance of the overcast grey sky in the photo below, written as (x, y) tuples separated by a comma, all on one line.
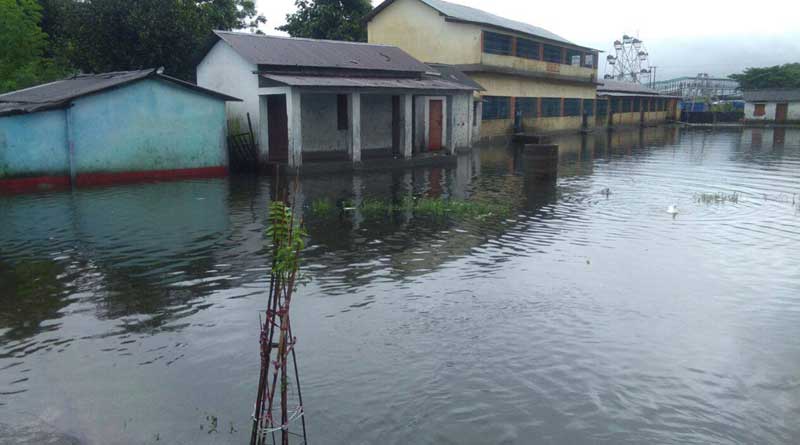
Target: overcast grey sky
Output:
[(683, 37)]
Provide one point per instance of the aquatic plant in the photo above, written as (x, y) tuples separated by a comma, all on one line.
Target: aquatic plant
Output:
[(717, 198), (424, 206)]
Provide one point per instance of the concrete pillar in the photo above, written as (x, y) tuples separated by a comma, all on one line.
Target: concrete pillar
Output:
[(407, 128), (263, 130), (293, 111), (355, 126), (451, 125)]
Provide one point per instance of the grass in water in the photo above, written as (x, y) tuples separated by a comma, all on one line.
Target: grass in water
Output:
[(431, 207), (717, 198)]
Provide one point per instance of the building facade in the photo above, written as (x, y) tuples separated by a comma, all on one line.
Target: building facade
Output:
[(317, 100), (110, 127), (629, 104), (780, 106), (524, 70)]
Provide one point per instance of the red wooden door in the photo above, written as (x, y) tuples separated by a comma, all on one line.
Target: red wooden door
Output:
[(435, 120), (781, 110), (278, 128)]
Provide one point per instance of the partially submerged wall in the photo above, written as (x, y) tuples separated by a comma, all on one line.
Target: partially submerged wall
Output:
[(34, 145)]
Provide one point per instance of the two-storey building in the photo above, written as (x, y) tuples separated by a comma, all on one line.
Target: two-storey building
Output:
[(543, 80)]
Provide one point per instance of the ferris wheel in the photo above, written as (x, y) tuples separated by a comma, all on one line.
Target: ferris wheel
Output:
[(630, 63)]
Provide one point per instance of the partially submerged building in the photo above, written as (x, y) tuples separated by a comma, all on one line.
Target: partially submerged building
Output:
[(627, 103), (778, 106), (315, 100), (520, 66), (118, 126)]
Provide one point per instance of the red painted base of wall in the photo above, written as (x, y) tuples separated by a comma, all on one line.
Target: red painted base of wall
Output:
[(21, 185)]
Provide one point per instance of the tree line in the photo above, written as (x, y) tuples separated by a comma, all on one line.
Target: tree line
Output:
[(45, 40)]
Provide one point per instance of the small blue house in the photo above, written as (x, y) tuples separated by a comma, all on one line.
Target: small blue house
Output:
[(111, 127)]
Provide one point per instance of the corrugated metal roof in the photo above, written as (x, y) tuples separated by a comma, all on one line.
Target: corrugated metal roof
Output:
[(452, 73), (426, 83), (773, 95), (58, 94), (454, 11), (287, 51), (608, 85)]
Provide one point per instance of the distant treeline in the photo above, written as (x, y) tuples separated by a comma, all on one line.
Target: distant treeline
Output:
[(43, 40), (779, 76)]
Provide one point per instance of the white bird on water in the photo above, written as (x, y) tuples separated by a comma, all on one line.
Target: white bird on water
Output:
[(672, 210)]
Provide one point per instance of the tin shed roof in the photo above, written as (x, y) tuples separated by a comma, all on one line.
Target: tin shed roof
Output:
[(426, 83), (296, 52), (615, 86), (461, 13), (773, 95), (60, 93)]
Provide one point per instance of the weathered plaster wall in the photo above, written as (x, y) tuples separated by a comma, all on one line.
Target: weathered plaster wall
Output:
[(539, 66), (320, 124), (148, 125), (505, 85), (376, 121), (33, 145), (460, 128), (793, 112), (224, 70), (422, 32)]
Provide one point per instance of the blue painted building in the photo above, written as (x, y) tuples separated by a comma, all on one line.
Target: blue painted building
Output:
[(111, 127)]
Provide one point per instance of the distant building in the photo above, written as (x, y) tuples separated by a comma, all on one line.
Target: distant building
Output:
[(525, 70), (110, 127), (776, 105), (627, 103), (317, 100)]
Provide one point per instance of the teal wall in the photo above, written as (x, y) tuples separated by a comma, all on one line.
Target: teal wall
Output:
[(33, 145), (148, 125), (144, 126)]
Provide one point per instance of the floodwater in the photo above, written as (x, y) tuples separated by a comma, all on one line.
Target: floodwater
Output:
[(129, 314)]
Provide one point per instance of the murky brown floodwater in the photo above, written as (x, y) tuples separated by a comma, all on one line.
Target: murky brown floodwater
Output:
[(128, 315)]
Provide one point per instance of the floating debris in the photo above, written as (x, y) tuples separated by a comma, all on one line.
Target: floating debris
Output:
[(717, 198)]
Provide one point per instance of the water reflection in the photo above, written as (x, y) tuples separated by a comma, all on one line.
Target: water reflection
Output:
[(585, 315)]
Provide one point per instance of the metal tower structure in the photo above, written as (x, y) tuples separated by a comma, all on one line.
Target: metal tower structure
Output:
[(630, 63)]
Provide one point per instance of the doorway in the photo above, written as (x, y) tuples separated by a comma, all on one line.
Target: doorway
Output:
[(278, 128), (781, 110), (435, 124)]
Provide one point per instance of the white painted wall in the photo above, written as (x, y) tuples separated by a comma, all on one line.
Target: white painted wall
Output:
[(320, 124), (224, 70), (769, 115)]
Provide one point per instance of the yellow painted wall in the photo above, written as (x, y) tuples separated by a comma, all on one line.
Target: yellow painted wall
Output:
[(420, 31), (506, 85), (520, 63)]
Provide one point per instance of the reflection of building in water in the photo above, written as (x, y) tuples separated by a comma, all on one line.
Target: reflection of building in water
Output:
[(770, 137)]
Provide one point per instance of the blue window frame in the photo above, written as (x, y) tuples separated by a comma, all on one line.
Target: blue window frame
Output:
[(494, 43), (626, 105), (652, 102), (529, 106), (551, 107), (552, 53), (572, 107), (496, 107), (637, 104), (588, 107), (528, 49), (589, 59)]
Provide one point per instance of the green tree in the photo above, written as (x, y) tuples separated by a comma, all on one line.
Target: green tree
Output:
[(116, 35), (779, 76), (22, 43), (329, 19)]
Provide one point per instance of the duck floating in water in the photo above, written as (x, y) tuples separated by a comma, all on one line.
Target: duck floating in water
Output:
[(672, 210)]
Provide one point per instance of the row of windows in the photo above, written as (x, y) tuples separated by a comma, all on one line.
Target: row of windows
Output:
[(506, 45), (499, 107), (635, 105)]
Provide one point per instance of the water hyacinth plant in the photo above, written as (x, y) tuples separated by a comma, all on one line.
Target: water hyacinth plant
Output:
[(717, 198), (422, 206)]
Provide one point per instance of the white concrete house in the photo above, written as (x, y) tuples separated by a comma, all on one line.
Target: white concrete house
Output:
[(776, 105), (316, 100)]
